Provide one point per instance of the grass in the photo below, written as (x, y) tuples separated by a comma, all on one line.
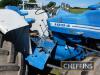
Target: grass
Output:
[(55, 71), (77, 10)]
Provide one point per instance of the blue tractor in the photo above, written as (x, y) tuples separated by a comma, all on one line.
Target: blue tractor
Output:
[(72, 37)]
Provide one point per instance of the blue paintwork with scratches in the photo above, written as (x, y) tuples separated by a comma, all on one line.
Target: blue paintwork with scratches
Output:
[(39, 58), (88, 18)]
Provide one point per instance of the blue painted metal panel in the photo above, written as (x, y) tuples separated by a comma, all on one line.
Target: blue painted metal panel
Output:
[(29, 20), (63, 53), (15, 8), (88, 18), (59, 39), (86, 33), (39, 58), (21, 12)]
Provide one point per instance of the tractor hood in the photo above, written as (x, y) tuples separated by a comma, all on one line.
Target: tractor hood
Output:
[(86, 23), (10, 20)]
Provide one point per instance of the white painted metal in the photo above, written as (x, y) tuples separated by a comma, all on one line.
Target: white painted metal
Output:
[(10, 20), (39, 19)]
